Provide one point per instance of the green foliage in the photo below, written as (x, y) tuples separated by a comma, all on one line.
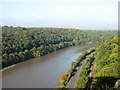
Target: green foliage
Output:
[(83, 81), (20, 43), (84, 73), (107, 70), (107, 63)]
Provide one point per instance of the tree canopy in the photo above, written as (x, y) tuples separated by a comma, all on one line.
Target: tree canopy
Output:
[(20, 43)]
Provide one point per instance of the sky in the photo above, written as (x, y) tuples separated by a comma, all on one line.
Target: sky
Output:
[(81, 14)]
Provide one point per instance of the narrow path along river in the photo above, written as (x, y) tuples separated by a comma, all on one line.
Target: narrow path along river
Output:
[(42, 72)]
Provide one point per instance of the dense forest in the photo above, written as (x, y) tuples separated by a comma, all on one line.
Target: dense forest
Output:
[(20, 43), (107, 70), (106, 65)]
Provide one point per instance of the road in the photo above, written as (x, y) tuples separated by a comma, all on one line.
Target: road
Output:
[(75, 78), (92, 74)]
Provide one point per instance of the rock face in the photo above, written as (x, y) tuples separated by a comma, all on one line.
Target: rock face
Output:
[(117, 84)]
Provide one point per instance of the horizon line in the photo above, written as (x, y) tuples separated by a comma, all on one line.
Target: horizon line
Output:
[(57, 27)]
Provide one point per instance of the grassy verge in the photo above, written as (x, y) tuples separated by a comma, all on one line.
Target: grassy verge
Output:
[(7, 67)]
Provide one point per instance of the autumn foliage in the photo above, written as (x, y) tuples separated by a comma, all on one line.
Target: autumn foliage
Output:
[(63, 76)]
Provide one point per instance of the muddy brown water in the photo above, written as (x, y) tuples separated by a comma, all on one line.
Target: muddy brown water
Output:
[(42, 72)]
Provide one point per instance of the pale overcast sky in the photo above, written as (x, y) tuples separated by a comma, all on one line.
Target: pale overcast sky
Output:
[(82, 14)]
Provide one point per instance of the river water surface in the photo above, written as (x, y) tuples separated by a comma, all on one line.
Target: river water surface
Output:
[(41, 72)]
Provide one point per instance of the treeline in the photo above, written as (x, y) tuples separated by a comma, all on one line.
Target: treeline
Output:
[(20, 43), (107, 71), (64, 78)]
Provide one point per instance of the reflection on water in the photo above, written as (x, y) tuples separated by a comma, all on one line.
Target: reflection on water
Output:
[(41, 72)]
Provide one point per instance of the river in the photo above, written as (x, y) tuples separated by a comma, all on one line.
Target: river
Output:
[(41, 72)]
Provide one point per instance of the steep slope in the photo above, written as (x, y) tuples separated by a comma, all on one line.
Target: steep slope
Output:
[(106, 68)]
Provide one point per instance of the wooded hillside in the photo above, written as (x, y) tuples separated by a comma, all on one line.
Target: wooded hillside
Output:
[(20, 43)]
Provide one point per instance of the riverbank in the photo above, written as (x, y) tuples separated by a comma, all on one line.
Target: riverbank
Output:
[(65, 78), (27, 43), (75, 78), (7, 68), (42, 72), (44, 55), (84, 79)]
